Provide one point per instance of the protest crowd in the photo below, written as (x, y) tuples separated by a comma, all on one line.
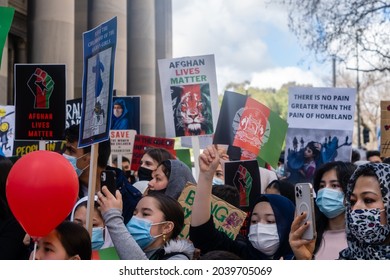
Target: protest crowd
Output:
[(109, 192)]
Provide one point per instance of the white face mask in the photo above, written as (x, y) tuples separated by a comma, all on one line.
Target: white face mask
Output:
[(264, 237), (118, 112)]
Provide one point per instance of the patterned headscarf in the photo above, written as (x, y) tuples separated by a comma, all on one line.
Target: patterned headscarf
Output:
[(357, 249)]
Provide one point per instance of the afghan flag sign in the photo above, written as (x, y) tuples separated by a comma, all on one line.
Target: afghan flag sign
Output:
[(246, 123)]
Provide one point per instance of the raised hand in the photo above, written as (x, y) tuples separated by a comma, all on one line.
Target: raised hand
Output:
[(41, 85), (107, 201), (209, 161)]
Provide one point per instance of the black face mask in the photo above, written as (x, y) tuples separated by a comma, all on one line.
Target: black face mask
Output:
[(144, 174)]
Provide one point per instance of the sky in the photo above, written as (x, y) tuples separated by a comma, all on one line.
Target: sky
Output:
[(250, 40)]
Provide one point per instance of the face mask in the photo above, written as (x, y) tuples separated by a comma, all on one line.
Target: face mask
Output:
[(97, 238), (280, 170), (217, 181), (365, 225), (264, 237), (140, 230), (73, 161), (330, 202), (117, 112), (144, 174)]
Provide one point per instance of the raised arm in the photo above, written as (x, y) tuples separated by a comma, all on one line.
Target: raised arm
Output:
[(111, 209), (208, 163)]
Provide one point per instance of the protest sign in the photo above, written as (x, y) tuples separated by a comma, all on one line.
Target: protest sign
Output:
[(245, 176), (189, 94), (126, 113), (40, 94), (184, 156), (320, 120), (73, 111), (385, 129), (250, 125), (98, 79), (227, 218), (122, 143), (7, 128), (143, 142)]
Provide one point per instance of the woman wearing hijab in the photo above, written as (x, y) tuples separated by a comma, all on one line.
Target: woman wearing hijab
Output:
[(170, 178), (367, 217)]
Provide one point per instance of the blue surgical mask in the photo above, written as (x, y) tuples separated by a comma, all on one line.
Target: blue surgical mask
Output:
[(73, 161), (97, 238), (217, 181), (330, 202), (140, 230)]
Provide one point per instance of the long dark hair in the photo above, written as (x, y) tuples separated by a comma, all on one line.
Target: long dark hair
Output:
[(75, 239), (344, 171), (159, 154), (172, 210)]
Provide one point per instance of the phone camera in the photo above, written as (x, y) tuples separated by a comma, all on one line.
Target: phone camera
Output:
[(298, 191)]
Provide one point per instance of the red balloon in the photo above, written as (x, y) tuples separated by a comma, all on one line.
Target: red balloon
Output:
[(41, 190)]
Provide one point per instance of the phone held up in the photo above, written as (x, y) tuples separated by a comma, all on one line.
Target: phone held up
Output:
[(305, 203), (108, 179)]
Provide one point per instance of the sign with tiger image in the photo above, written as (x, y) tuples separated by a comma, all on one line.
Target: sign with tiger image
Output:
[(189, 94)]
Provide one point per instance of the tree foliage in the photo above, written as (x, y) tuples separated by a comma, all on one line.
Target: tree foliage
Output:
[(344, 29)]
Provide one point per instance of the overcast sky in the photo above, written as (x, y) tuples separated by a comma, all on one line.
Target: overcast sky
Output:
[(250, 41)]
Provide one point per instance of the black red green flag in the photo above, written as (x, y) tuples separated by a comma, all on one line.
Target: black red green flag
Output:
[(252, 126)]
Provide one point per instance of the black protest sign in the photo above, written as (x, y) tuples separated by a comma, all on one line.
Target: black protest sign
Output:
[(40, 94)]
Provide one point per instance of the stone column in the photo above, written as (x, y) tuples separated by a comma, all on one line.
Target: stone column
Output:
[(81, 25), (51, 39), (163, 50), (141, 60), (100, 11)]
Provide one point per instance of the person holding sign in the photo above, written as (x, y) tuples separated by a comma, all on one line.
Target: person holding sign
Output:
[(367, 210), (80, 159), (152, 232), (270, 220)]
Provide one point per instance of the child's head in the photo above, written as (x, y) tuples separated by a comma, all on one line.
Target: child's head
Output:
[(68, 241), (79, 215)]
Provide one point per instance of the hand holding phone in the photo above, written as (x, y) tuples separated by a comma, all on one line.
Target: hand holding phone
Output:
[(108, 179), (305, 203)]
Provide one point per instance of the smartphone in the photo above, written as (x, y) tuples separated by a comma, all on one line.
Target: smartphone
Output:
[(108, 179), (305, 203)]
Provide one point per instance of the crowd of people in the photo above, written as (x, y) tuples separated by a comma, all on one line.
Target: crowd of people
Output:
[(352, 212)]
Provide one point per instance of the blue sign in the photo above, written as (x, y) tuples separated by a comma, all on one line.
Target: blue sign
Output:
[(98, 79)]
